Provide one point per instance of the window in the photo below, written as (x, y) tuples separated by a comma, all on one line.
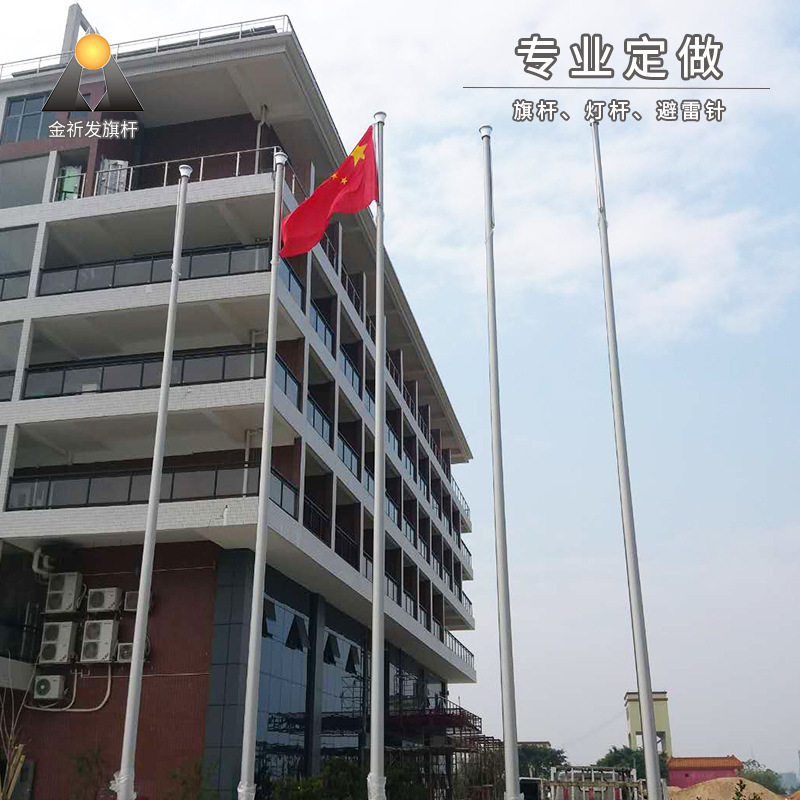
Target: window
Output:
[(25, 119)]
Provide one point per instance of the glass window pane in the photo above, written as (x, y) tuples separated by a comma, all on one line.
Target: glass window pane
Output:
[(151, 373), (237, 366), (206, 265), (15, 107), (196, 483), (162, 269), (109, 490), (21, 495), (16, 287), (140, 487), (243, 260), (77, 381), (48, 118), (122, 376), (6, 386), (100, 277), (58, 282), (29, 129), (202, 370), (43, 384), (68, 492), (34, 104), (230, 481), (10, 129), (132, 273)]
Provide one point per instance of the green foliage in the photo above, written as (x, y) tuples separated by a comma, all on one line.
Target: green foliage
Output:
[(537, 759), (758, 773), (91, 774), (190, 782), (627, 757)]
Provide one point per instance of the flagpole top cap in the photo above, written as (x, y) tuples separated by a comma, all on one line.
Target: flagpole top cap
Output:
[(185, 171), (485, 130), (281, 157), (380, 116)]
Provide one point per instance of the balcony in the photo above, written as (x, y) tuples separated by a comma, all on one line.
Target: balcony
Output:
[(321, 326), (459, 649), (157, 268), (73, 185), (14, 285), (412, 406), (347, 547), (392, 590), (393, 371), (459, 496), (369, 481), (423, 548), (348, 455), (126, 373), (131, 486), (392, 439), (351, 290), (392, 511), (466, 555), (350, 370), (409, 531), (366, 570), (409, 604), (424, 617), (319, 420), (369, 400), (6, 384), (316, 520), (408, 463), (437, 566), (423, 485)]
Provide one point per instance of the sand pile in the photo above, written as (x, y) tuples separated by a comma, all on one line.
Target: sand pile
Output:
[(721, 789)]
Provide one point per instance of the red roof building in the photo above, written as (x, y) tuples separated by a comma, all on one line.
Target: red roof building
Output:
[(685, 772)]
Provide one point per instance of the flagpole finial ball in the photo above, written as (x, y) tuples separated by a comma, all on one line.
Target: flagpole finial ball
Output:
[(185, 171), (281, 157), (485, 130), (93, 51), (380, 116)]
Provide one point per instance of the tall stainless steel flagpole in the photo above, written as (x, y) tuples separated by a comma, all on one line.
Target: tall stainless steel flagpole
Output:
[(125, 778), (651, 760), (501, 548), (247, 787), (376, 780)]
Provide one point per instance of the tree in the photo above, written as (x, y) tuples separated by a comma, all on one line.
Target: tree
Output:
[(758, 773), (627, 758), (537, 759)]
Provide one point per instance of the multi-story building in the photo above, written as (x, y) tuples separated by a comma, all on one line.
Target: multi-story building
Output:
[(86, 223)]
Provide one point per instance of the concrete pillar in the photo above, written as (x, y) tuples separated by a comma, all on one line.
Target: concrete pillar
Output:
[(313, 734)]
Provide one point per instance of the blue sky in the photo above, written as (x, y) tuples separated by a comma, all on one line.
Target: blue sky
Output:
[(704, 246)]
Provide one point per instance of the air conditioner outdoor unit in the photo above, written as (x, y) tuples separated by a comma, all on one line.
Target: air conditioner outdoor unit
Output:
[(99, 641), (48, 687), (125, 651), (58, 642), (63, 593), (99, 601), (131, 599)]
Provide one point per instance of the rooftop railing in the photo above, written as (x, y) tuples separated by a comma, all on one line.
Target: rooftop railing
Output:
[(219, 34)]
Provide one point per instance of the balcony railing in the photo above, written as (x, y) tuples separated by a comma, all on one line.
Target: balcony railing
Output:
[(392, 439), (369, 481), (467, 603), (161, 44), (366, 569), (409, 604), (437, 629), (133, 177), (346, 547), (409, 530), (319, 420), (459, 649), (410, 401), (437, 565), (317, 520), (371, 328), (352, 292), (459, 496), (14, 285), (157, 268), (393, 371), (437, 508), (392, 511), (131, 486), (422, 546), (423, 485), (348, 455), (6, 384), (392, 590), (321, 326), (369, 401), (466, 555), (408, 463), (424, 617), (350, 370), (125, 373), (448, 578)]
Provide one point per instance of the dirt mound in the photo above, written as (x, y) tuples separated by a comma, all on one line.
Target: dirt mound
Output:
[(721, 789)]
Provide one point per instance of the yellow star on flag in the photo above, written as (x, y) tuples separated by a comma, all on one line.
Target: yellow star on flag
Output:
[(344, 180), (358, 153)]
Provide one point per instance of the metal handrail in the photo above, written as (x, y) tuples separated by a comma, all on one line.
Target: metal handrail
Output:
[(355, 375), (463, 652), (351, 290), (318, 319), (317, 520), (192, 38), (347, 454), (314, 412), (346, 547)]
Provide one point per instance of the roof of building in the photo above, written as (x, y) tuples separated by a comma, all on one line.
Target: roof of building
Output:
[(705, 762)]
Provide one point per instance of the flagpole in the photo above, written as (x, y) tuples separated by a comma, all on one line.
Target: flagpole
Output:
[(247, 788), (376, 780), (651, 760), (124, 779), (510, 747)]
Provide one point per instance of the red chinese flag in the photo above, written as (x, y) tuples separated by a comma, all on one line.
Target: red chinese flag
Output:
[(352, 187)]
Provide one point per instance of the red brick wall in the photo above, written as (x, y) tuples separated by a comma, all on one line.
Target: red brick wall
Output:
[(175, 686)]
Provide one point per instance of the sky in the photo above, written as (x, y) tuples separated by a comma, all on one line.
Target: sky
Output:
[(705, 253)]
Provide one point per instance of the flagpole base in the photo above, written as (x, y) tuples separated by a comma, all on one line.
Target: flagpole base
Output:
[(376, 787), (246, 791)]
